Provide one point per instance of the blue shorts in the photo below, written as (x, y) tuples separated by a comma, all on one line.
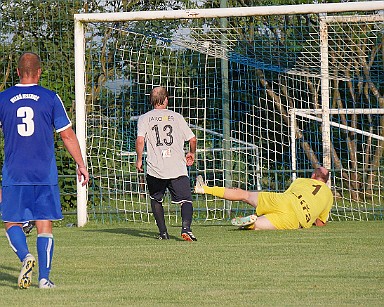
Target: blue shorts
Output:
[(22, 203)]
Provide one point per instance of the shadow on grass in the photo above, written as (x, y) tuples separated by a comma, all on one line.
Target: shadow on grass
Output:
[(8, 276), (132, 232)]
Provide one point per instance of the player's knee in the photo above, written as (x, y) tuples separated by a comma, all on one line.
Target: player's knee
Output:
[(188, 202), (155, 199), (262, 223)]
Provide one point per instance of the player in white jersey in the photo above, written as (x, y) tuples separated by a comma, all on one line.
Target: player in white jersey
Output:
[(164, 132), (28, 114)]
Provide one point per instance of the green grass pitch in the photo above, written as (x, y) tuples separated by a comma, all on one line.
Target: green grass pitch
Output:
[(341, 264)]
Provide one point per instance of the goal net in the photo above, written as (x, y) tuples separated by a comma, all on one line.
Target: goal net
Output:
[(270, 92)]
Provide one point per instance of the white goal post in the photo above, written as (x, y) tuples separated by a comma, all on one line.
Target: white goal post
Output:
[(306, 86)]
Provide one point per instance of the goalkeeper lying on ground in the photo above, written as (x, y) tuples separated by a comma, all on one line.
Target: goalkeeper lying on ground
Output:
[(306, 202)]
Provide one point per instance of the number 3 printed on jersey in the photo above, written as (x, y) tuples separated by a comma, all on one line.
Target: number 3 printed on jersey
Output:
[(28, 126)]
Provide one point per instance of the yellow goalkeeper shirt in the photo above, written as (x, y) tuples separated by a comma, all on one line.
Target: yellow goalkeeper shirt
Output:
[(312, 200)]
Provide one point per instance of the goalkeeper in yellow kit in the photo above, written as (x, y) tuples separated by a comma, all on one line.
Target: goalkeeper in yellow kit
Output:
[(306, 202)]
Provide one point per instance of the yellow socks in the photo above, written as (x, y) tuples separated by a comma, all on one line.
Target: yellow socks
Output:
[(215, 191)]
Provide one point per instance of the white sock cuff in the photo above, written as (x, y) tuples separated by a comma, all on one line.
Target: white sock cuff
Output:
[(45, 235)]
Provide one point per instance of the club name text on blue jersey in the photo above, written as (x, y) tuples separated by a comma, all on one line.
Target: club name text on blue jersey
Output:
[(166, 118), (24, 96)]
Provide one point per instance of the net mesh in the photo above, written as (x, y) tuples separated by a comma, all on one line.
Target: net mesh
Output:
[(236, 82)]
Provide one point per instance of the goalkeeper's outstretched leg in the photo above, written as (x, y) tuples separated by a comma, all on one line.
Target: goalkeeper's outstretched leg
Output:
[(234, 194)]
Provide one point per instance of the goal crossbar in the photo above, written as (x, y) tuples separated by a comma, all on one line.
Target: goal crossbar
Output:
[(228, 12)]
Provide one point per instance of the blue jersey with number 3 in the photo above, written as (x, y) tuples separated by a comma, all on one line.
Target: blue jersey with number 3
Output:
[(28, 115)]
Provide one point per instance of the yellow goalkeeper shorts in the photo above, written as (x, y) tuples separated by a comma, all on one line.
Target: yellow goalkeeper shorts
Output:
[(277, 208)]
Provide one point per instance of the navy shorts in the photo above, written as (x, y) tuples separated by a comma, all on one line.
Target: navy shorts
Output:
[(22, 203), (179, 188)]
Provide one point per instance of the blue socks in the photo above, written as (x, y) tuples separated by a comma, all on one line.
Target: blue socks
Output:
[(44, 244), (18, 241)]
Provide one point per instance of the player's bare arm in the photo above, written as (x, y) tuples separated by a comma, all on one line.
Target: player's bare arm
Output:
[(139, 152), (72, 145), (190, 157)]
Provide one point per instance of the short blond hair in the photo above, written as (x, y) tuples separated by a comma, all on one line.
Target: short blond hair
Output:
[(158, 95)]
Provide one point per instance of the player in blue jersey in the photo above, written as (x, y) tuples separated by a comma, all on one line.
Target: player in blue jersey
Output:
[(29, 114), (165, 132)]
